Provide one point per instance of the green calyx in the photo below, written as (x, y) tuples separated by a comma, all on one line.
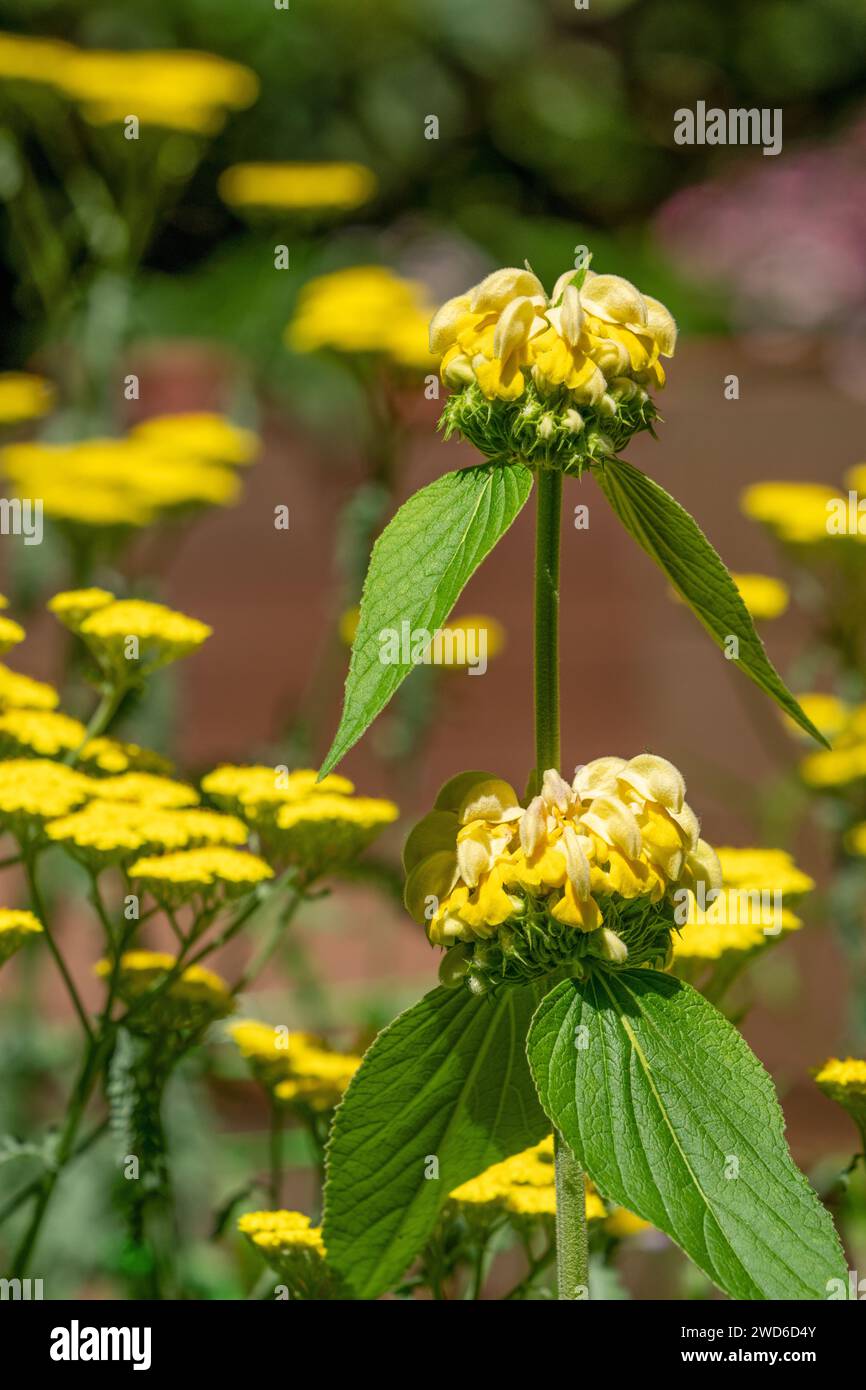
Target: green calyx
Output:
[(532, 944), (547, 431)]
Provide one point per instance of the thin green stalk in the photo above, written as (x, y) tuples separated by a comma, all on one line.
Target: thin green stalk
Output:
[(275, 1154), (100, 720), (39, 909), (572, 1261)]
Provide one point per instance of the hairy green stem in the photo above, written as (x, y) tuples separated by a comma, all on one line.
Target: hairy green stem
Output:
[(572, 1263)]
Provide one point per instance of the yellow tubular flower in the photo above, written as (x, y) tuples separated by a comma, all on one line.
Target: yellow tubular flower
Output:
[(567, 374), (22, 692), (297, 187), (587, 869), (367, 310), (845, 1083), (764, 596), (131, 637), (16, 928), (24, 397)]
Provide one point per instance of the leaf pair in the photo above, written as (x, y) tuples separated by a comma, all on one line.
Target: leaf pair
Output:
[(658, 1095), (427, 553)]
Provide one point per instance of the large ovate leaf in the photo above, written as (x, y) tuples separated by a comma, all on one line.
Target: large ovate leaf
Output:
[(418, 568), (672, 538), (448, 1080), (672, 1116)]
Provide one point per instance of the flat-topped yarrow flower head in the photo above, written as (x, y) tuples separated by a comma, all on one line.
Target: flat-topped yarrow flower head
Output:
[(585, 869), (560, 380)]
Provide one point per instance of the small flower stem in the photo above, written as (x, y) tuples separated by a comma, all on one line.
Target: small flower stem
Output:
[(547, 529), (572, 1263), (41, 913)]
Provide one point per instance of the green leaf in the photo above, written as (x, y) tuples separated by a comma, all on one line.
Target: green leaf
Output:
[(671, 1115), (447, 1079), (672, 538), (418, 568)]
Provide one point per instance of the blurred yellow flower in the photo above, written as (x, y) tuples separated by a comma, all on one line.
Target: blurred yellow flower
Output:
[(22, 396), (72, 606), (11, 633), (302, 1067), (195, 997), (319, 833), (33, 791), (796, 513), (364, 310), (292, 1246), (764, 596), (845, 1083), (622, 1223), (521, 1186), (44, 733), (462, 643), (177, 90), (16, 927), (256, 789), (18, 691), (198, 435), (297, 186), (828, 713), (834, 767), (145, 788), (747, 914)]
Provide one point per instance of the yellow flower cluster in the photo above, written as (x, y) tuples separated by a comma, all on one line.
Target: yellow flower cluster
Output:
[(108, 831), (522, 1186), (297, 187), (809, 514), (748, 913), (16, 927), (24, 397), (364, 311), (194, 998), (18, 691), (172, 89), (845, 724), (11, 633), (463, 643), (166, 466), (33, 791), (300, 1068), (593, 346), (317, 825), (175, 878), (587, 868), (289, 1242), (845, 1083), (128, 638)]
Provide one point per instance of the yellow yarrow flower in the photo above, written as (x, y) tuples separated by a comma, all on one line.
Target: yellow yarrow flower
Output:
[(177, 877), (199, 435), (522, 1186), (622, 1223), (197, 996), (11, 633), (24, 397), (586, 869), (16, 927), (109, 756), (176, 90), (320, 833), (747, 914), (293, 1247), (297, 187), (845, 1082), (567, 375), (44, 733), (834, 767), (131, 637), (300, 1067), (764, 596), (33, 791), (367, 310), (145, 788), (18, 691), (256, 791), (796, 513), (72, 606), (828, 713)]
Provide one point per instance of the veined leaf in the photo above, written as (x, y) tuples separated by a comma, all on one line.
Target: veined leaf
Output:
[(672, 538), (448, 1080), (418, 569), (671, 1115)]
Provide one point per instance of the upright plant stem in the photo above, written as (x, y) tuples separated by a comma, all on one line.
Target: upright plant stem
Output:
[(571, 1240)]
